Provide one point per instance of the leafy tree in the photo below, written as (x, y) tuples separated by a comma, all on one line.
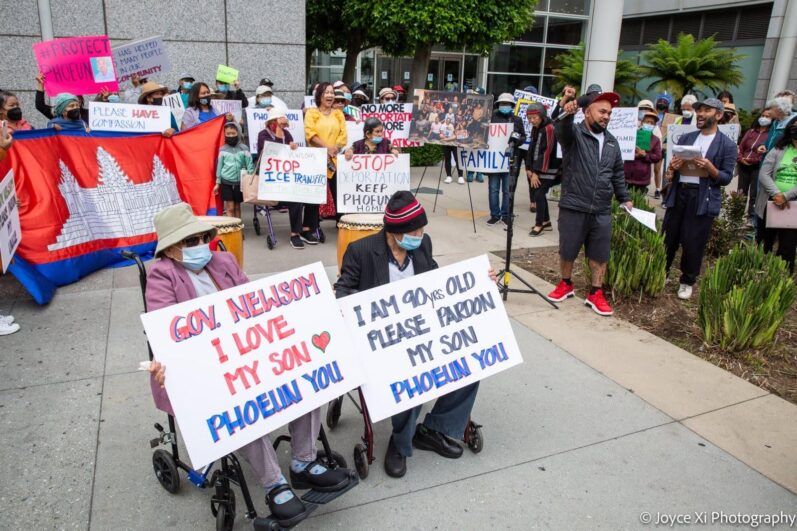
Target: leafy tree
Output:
[(412, 27), (569, 70), (691, 65), (340, 25)]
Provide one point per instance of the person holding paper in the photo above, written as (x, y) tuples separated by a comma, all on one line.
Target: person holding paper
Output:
[(66, 114), (185, 269), (644, 107), (695, 195), (752, 149), (592, 172), (152, 94), (47, 110), (542, 167), (232, 92), (646, 153), (498, 183), (400, 250), (778, 184), (7, 324), (373, 141)]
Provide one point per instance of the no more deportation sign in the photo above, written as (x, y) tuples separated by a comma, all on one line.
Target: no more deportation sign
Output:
[(244, 361), (428, 335)]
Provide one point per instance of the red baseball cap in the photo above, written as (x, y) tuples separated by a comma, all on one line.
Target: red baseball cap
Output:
[(398, 88), (612, 97)]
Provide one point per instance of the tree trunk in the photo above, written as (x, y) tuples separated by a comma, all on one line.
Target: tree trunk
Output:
[(420, 66), (354, 45)]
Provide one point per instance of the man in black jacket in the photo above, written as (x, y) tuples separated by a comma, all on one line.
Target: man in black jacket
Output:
[(592, 172), (399, 251)]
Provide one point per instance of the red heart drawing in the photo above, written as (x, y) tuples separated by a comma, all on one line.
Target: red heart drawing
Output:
[(320, 341)]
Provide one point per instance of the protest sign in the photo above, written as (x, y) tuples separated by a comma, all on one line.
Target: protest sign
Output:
[(10, 230), (493, 159), (523, 99), (366, 182), (128, 118), (256, 121), (430, 334), (175, 103), (675, 131), (78, 65), (309, 101), (623, 125), (354, 132), (145, 57), (226, 74), (223, 107), (294, 175), (244, 361), (396, 118), (451, 118)]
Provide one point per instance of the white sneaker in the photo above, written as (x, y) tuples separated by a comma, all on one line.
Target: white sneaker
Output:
[(6, 329), (684, 292), (461, 180), (6, 319), (448, 180)]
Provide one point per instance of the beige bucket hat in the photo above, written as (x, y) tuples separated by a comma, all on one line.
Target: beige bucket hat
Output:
[(177, 222)]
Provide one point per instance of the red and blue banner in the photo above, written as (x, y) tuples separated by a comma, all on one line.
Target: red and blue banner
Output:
[(84, 198)]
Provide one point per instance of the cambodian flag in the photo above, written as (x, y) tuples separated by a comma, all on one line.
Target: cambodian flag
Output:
[(84, 198)]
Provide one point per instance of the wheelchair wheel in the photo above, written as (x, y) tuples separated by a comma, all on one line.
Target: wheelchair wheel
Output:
[(333, 412), (339, 460), (166, 470), (269, 242), (224, 511), (476, 439), (361, 461), (256, 224)]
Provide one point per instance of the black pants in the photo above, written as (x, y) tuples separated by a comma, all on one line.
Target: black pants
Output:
[(302, 215), (684, 228), (786, 238), (540, 199), (448, 152), (748, 185)]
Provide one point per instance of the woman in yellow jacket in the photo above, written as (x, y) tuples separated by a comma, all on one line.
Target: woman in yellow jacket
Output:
[(325, 127)]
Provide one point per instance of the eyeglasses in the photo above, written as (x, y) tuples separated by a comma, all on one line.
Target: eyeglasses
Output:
[(193, 241)]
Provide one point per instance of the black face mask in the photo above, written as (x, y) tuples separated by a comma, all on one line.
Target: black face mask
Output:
[(73, 114), (231, 140), (204, 101), (14, 114), (157, 101), (661, 106), (596, 128)]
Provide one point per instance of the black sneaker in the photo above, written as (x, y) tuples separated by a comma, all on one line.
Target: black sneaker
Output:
[(327, 481), (296, 242), (309, 237), (427, 439), (321, 237), (657, 194), (493, 220)]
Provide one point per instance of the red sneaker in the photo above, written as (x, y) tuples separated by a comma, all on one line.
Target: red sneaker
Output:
[(598, 303), (562, 291)]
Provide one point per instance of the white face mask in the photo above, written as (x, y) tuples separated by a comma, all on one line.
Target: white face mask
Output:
[(688, 114), (764, 121)]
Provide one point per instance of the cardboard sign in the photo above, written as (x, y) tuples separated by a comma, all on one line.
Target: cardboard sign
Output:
[(256, 121), (523, 99), (623, 125), (675, 131), (10, 230), (175, 103), (244, 361), (128, 118), (451, 118), (293, 175), (78, 65), (397, 118), (430, 334), (145, 57), (493, 159), (226, 74), (366, 182), (223, 107)]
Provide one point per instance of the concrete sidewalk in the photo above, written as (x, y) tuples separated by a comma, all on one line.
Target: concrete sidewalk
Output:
[(602, 423)]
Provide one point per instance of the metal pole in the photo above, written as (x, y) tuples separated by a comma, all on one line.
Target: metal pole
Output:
[(45, 19)]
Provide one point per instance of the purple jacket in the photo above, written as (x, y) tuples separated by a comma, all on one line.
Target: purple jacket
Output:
[(637, 171), (168, 283)]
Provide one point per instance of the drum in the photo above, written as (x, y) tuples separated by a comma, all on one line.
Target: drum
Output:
[(230, 232), (353, 227)]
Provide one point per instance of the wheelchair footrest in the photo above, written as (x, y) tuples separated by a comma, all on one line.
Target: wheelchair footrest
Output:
[(321, 498), (269, 523)]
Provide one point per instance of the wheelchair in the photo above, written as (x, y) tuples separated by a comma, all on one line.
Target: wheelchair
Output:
[(220, 476)]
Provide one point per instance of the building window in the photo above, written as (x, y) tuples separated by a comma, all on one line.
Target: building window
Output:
[(499, 83), (570, 7), (564, 31), (527, 59), (536, 33)]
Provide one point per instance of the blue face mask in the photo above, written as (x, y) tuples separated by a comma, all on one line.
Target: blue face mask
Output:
[(224, 88), (187, 85), (505, 110), (347, 96), (197, 257), (263, 103), (113, 98), (409, 242), (376, 139), (648, 127)]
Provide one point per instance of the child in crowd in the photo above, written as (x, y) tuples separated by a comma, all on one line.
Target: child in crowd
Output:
[(234, 157)]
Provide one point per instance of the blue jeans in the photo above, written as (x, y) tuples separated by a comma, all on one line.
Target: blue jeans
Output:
[(499, 181), (449, 416)]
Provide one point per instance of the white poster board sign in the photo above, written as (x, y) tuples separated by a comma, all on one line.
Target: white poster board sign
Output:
[(145, 57), (522, 101), (396, 118), (430, 334), (674, 133), (493, 159), (294, 175), (623, 126), (242, 362), (354, 132), (175, 103), (309, 101), (366, 182), (10, 229), (223, 107), (129, 118), (256, 121)]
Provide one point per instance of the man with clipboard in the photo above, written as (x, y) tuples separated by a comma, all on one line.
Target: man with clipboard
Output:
[(703, 162)]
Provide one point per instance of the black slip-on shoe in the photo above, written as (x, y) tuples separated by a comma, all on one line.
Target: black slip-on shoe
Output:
[(395, 463), (434, 441)]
